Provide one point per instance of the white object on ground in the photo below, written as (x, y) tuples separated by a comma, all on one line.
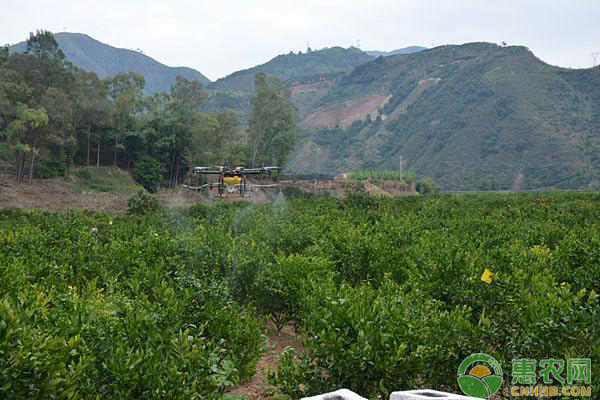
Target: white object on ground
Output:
[(426, 394), (342, 394)]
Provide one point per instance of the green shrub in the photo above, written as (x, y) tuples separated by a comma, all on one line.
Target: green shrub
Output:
[(146, 172), (373, 341), (143, 203), (103, 307), (426, 186), (288, 378), (281, 287), (51, 163)]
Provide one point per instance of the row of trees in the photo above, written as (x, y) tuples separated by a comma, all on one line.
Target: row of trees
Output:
[(54, 115)]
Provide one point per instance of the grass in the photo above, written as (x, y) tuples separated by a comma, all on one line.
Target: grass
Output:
[(104, 179)]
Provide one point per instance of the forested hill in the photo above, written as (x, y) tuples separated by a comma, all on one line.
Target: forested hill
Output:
[(92, 55), (404, 50), (474, 116), (292, 65)]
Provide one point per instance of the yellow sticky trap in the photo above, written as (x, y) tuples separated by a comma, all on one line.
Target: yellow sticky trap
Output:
[(110, 221), (487, 276)]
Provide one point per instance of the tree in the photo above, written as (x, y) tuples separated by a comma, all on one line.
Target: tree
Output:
[(84, 91), (202, 148), (187, 123), (187, 93), (59, 132), (126, 90), (44, 45), (155, 127), (57, 114), (3, 54), (23, 134), (272, 123), (35, 103), (92, 112), (44, 63), (228, 140), (12, 91)]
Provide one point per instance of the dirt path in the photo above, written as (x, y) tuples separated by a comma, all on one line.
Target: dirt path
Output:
[(256, 388)]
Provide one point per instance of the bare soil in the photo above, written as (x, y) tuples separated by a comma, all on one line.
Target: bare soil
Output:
[(344, 115), (60, 195), (57, 195), (256, 387)]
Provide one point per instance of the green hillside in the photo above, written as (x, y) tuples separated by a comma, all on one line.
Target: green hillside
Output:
[(404, 50), (92, 55), (474, 116), (289, 66)]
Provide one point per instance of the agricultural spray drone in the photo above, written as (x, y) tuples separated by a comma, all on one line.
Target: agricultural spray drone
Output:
[(231, 180)]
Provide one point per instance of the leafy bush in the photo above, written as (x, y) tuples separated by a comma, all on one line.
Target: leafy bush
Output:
[(147, 173), (143, 203), (282, 286), (426, 186), (372, 340), (51, 163), (96, 307)]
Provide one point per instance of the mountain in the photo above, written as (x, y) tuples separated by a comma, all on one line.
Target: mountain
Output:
[(472, 116), (311, 71), (405, 50), (292, 65), (92, 55)]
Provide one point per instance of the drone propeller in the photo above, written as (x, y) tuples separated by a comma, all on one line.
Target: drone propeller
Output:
[(260, 170), (206, 170)]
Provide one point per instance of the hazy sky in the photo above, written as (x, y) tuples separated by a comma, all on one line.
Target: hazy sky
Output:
[(220, 37)]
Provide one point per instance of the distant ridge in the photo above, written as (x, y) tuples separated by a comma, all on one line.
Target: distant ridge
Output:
[(89, 54), (405, 50), (292, 65)]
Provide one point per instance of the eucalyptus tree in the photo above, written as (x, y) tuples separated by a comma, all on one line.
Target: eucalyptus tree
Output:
[(92, 110), (126, 89), (59, 133), (272, 123), (186, 122)]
